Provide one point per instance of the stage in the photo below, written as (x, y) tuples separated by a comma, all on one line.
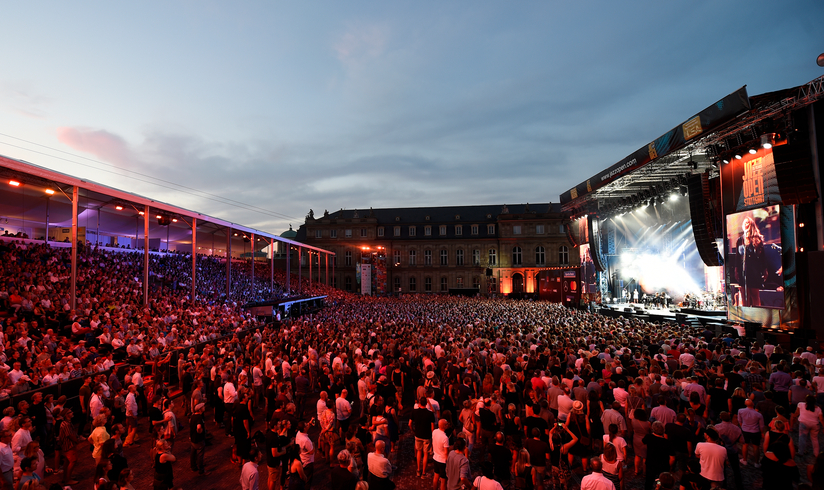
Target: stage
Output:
[(687, 316)]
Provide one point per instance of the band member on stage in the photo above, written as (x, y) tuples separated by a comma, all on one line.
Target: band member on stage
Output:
[(760, 265), (635, 296)]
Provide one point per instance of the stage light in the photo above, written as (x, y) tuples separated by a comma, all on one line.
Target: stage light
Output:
[(159, 217), (673, 197), (738, 156), (801, 225), (753, 151), (141, 213), (119, 208), (14, 183), (725, 160), (174, 220), (766, 141), (50, 192)]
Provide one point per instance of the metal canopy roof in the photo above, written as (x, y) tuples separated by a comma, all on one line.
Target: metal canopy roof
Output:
[(704, 154), (96, 207)]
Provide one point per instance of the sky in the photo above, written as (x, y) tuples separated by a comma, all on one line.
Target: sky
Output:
[(327, 105)]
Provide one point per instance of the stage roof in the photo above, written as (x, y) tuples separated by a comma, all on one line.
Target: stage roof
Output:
[(696, 146)]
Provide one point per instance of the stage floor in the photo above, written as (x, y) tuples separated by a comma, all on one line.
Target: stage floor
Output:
[(669, 314)]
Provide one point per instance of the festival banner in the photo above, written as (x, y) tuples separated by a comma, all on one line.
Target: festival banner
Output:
[(366, 279), (754, 182)]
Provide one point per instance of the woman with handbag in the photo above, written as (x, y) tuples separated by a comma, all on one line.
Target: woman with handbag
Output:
[(578, 424)]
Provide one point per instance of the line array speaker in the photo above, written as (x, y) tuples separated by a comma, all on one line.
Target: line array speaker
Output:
[(703, 227), (595, 243)]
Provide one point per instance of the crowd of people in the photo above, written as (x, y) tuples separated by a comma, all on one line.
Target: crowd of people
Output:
[(487, 393)]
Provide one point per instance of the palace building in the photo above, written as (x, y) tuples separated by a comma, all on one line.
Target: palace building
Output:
[(494, 249)]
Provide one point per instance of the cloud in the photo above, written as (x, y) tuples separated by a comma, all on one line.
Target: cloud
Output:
[(361, 43), (22, 98), (102, 144)]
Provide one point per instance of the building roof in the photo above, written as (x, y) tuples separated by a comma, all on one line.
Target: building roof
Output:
[(441, 214)]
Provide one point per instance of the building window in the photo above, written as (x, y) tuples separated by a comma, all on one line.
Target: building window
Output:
[(347, 283), (412, 231), (516, 230), (561, 229), (493, 256), (318, 233), (493, 285), (540, 256), (517, 256), (333, 233), (476, 257), (476, 282), (444, 284), (539, 229), (348, 233), (413, 257), (490, 229), (363, 232), (397, 231), (443, 230), (380, 231), (396, 257), (427, 284), (413, 284), (397, 283), (563, 255), (427, 257), (347, 258), (474, 229), (444, 257), (459, 282), (427, 230), (459, 257), (458, 230)]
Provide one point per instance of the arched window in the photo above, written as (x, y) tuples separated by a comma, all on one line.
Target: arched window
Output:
[(540, 256), (444, 284), (563, 255), (397, 283), (517, 256), (347, 283), (493, 256), (413, 284), (444, 257), (459, 257), (413, 257)]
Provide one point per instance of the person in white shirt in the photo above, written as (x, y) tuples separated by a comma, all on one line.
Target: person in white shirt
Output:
[(249, 475), (96, 402), (15, 374), (713, 457), (6, 459), (440, 447), (131, 416), (307, 451), (344, 410), (596, 480), (20, 440)]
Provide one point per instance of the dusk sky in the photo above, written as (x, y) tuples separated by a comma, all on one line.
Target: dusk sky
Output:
[(329, 105)]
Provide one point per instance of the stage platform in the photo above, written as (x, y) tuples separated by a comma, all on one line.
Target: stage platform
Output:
[(687, 316)]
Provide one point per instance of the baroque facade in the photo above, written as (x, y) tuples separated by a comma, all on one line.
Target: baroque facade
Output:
[(493, 248)]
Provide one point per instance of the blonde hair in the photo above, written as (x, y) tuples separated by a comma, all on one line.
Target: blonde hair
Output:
[(522, 461)]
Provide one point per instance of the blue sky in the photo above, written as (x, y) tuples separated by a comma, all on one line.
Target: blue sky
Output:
[(329, 105)]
